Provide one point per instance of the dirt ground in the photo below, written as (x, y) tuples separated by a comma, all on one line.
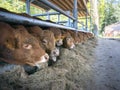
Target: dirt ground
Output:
[(106, 66), (93, 65)]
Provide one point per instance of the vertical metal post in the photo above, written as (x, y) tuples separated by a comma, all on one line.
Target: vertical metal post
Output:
[(58, 18), (47, 16), (86, 21), (75, 12), (90, 23), (28, 7), (68, 22)]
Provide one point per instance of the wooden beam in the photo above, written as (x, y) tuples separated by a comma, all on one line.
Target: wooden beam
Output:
[(80, 4), (85, 4), (58, 4), (68, 4), (64, 4)]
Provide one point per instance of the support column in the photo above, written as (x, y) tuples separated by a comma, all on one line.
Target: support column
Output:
[(28, 7), (58, 18), (68, 22), (75, 14), (86, 21), (90, 24), (48, 16)]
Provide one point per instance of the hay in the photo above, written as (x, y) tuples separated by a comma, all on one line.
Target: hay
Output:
[(71, 72)]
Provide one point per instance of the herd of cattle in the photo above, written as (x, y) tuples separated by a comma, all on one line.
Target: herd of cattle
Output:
[(33, 45)]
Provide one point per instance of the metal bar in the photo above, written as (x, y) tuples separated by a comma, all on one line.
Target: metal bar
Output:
[(81, 23), (58, 18), (45, 14), (86, 20), (62, 22), (48, 16), (14, 18), (90, 23), (28, 7), (75, 11), (46, 2), (68, 22)]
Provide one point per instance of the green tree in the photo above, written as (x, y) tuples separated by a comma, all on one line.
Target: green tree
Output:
[(117, 10), (101, 9), (111, 14)]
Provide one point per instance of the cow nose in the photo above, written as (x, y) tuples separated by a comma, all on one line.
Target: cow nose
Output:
[(55, 52), (73, 45), (59, 42), (46, 57)]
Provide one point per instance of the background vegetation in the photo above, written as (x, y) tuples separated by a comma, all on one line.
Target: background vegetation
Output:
[(109, 13)]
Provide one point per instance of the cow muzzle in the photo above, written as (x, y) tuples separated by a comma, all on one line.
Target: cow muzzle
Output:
[(54, 53), (59, 42), (72, 46), (42, 60)]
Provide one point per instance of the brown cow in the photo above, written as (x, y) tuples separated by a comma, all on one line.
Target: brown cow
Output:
[(17, 46), (85, 38), (81, 37), (90, 35), (68, 41), (62, 38), (46, 39), (57, 34), (75, 36)]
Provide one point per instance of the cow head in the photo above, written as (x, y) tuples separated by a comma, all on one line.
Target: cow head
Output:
[(75, 36), (68, 42), (45, 37), (58, 35), (48, 41), (17, 46)]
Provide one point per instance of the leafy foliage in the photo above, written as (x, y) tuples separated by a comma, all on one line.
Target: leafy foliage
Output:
[(110, 13)]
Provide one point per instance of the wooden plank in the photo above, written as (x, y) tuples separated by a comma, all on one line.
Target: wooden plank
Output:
[(72, 3), (80, 4), (68, 4), (58, 4), (85, 4), (63, 3)]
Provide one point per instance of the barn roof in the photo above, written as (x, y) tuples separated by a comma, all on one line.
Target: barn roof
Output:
[(66, 5)]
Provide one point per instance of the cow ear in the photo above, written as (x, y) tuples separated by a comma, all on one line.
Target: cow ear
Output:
[(27, 46), (10, 44)]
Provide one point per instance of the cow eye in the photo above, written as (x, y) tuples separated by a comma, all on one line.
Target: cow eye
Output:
[(27, 46), (68, 39), (44, 41)]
